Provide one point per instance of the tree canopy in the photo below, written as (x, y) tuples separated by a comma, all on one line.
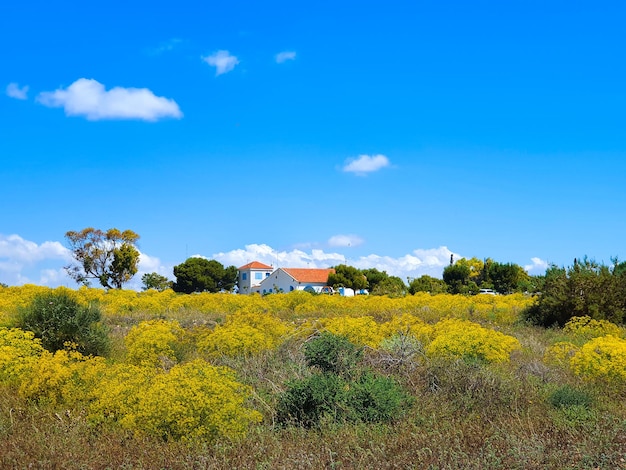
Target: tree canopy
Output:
[(155, 281), (110, 257), (426, 283), (585, 289), (348, 276), (203, 275)]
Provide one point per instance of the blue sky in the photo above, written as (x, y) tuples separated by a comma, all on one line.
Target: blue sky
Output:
[(381, 134)]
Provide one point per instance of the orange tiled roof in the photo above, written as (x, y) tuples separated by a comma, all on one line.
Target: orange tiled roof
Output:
[(255, 265), (309, 274)]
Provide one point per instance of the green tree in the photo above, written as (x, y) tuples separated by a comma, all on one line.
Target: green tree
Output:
[(507, 278), (347, 276), (203, 275), (457, 278), (374, 277), (110, 257), (584, 289), (393, 286), (155, 281), (427, 283), (57, 318)]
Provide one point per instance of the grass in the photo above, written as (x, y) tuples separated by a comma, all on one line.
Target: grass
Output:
[(467, 415)]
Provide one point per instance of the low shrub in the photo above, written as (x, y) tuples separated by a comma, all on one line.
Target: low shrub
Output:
[(57, 318), (375, 398), (602, 359), (306, 401), (155, 342), (244, 334), (191, 401), (19, 353), (332, 353), (567, 396), (468, 340), (588, 328)]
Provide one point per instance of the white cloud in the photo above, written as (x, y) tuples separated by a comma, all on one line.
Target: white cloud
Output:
[(345, 240), (366, 164), (14, 91), (89, 98), (538, 266), (419, 262), (285, 56), (15, 248), (23, 261), (222, 61)]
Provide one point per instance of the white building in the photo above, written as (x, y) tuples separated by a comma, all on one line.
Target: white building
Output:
[(261, 278), (252, 275)]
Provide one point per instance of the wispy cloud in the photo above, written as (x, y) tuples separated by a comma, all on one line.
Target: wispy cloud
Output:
[(345, 241), (285, 56), (365, 164), (538, 266), (222, 60), (89, 98), (14, 91), (165, 46)]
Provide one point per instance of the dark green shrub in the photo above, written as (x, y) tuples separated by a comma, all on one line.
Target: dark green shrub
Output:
[(568, 396), (370, 398), (332, 353), (376, 398), (306, 401), (584, 289), (57, 318)]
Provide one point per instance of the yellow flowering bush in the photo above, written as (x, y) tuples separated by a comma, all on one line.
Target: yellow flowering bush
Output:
[(504, 309), (191, 401), (244, 333), (465, 339), (560, 354), (363, 331), (19, 353), (154, 342), (62, 378), (407, 324), (586, 327), (602, 359), (116, 394)]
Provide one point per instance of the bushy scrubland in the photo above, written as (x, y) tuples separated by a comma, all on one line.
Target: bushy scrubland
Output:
[(302, 381)]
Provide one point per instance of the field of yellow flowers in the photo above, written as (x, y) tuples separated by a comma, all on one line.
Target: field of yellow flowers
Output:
[(193, 381)]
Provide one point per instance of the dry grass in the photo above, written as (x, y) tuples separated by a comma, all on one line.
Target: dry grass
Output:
[(466, 416)]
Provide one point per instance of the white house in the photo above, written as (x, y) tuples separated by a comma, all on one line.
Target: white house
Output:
[(252, 275), (259, 277)]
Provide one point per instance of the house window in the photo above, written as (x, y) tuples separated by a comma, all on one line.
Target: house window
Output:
[(290, 288), (258, 276), (244, 276), (267, 274)]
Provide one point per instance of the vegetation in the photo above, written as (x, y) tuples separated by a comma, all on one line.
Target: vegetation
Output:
[(203, 275), (110, 257), (586, 289), (421, 381), (155, 281), (58, 319)]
